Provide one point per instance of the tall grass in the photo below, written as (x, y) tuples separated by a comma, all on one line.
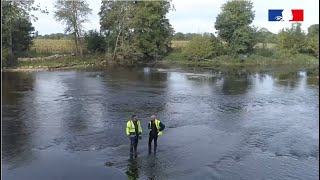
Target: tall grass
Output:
[(52, 46), (179, 44)]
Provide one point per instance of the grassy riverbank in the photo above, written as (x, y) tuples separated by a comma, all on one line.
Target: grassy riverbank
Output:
[(62, 62), (258, 58)]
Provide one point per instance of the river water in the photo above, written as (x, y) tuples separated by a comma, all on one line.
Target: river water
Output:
[(220, 124)]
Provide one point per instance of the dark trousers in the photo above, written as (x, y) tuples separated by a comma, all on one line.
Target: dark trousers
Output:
[(155, 138), (133, 144)]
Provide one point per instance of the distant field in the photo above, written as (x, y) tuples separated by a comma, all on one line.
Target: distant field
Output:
[(268, 45), (61, 46), (179, 44), (57, 46)]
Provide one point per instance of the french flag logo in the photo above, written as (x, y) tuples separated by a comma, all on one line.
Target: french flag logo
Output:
[(287, 15)]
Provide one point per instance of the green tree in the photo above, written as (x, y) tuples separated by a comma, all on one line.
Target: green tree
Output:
[(313, 39), (115, 21), (23, 35), (179, 36), (136, 30), (292, 39), (16, 28), (153, 31), (313, 45), (243, 40), (233, 26), (264, 36), (73, 14), (95, 41), (313, 30)]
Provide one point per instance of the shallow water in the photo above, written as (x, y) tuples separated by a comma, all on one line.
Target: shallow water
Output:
[(231, 124)]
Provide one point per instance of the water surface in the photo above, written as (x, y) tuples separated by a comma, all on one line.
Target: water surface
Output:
[(231, 124)]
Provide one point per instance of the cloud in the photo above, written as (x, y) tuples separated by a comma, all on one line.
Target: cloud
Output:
[(195, 16)]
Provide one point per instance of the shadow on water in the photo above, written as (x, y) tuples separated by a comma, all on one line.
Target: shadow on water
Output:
[(16, 129)]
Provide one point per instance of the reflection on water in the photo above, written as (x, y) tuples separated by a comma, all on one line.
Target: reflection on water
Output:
[(133, 170), (16, 130), (221, 124)]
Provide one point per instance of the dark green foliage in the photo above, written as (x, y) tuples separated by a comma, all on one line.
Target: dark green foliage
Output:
[(95, 42), (292, 39), (313, 39), (233, 25), (264, 36), (185, 37), (136, 30), (313, 30), (55, 36), (203, 47), (16, 28)]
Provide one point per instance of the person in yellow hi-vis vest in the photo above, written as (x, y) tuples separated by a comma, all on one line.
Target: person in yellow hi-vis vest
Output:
[(156, 129), (134, 132)]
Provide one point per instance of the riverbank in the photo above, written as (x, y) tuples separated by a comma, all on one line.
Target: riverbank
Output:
[(258, 58), (59, 63), (175, 58)]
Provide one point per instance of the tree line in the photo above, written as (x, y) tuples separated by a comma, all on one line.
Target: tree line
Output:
[(138, 31)]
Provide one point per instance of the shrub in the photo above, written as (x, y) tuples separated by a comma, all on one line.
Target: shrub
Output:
[(203, 47), (95, 42)]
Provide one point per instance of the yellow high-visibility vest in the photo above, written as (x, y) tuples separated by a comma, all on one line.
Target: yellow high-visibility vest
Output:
[(130, 130), (157, 122)]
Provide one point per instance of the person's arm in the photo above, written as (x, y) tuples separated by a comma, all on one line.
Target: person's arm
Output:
[(127, 129), (149, 125), (162, 126)]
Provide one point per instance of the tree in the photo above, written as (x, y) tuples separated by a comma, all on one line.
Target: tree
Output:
[(233, 25), (115, 21), (313, 45), (95, 42), (264, 36), (73, 14), (16, 28), (136, 30), (152, 30), (313, 39), (179, 36), (313, 30), (22, 39), (292, 39)]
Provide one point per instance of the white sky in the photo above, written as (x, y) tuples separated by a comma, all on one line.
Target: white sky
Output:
[(194, 16)]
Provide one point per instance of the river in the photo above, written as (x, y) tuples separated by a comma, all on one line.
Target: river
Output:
[(220, 124)]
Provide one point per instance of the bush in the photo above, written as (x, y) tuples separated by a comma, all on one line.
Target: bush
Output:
[(313, 45), (175, 55), (203, 47), (263, 52), (292, 40), (95, 42)]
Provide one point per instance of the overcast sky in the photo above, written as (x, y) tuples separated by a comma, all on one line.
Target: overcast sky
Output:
[(195, 16)]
